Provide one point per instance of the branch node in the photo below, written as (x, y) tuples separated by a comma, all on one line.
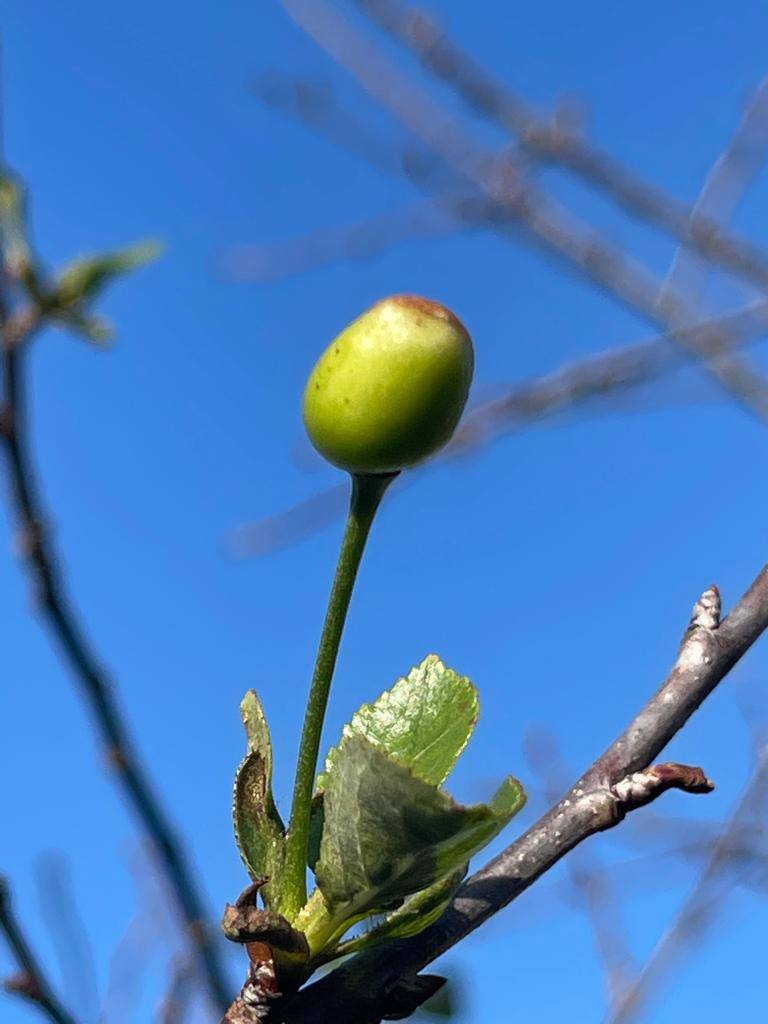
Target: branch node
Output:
[(23, 984), (641, 788), (706, 611)]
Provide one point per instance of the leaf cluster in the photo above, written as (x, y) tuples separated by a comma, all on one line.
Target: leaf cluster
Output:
[(387, 841)]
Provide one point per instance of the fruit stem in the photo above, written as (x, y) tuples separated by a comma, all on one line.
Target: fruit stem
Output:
[(367, 492)]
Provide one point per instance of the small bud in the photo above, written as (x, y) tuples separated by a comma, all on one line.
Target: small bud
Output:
[(390, 390)]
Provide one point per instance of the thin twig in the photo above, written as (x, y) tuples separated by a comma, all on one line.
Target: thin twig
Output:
[(427, 218), (701, 905), (315, 106), (52, 601), (30, 983), (731, 174), (488, 97), (587, 876), (528, 402), (60, 913), (175, 1005), (618, 782), (547, 224)]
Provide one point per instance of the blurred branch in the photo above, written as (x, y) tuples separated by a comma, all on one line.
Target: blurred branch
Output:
[(551, 394), (702, 905), (548, 225), (448, 208), (429, 218), (41, 562), (175, 1005), (488, 97), (30, 983), (526, 403), (59, 910), (151, 935), (731, 174), (313, 103), (617, 783), (587, 876)]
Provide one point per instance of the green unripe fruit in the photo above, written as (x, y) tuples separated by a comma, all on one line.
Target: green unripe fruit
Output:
[(390, 390)]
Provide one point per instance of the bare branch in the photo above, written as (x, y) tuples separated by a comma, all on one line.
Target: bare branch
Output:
[(59, 911), (488, 97), (30, 983), (428, 218), (314, 105), (528, 402), (54, 605), (588, 878), (548, 225), (598, 801), (175, 1006), (702, 904), (730, 176)]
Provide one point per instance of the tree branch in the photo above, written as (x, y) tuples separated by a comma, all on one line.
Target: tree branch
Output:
[(548, 224), (589, 880), (621, 780), (53, 603), (488, 97), (702, 903), (526, 403), (30, 983)]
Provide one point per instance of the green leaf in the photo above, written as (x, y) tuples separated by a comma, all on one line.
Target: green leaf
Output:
[(388, 834), (413, 916), (83, 279), (425, 721), (93, 328), (259, 830)]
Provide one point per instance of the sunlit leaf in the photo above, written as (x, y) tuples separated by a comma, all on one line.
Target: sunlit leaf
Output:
[(388, 834), (425, 721)]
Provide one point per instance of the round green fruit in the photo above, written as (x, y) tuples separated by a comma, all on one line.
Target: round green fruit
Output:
[(390, 390)]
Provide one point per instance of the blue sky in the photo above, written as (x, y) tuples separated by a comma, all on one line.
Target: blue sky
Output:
[(556, 567)]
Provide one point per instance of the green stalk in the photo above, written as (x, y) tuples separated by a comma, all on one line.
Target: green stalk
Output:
[(367, 492)]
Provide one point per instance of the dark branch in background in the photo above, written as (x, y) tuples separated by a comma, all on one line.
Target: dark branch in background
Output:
[(617, 783), (30, 983), (53, 603), (702, 904)]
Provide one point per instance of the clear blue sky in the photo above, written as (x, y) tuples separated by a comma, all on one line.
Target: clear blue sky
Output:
[(557, 568)]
